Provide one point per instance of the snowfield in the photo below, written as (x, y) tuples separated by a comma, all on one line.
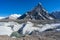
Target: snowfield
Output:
[(7, 28), (29, 28)]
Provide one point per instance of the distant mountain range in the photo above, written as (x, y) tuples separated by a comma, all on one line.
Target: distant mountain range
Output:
[(12, 17), (56, 14), (38, 13)]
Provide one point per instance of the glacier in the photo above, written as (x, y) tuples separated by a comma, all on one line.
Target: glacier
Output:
[(7, 28)]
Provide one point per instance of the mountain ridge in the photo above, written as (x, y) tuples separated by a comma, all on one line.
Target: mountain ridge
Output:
[(38, 13)]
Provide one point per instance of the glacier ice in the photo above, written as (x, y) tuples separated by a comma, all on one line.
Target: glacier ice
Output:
[(6, 28)]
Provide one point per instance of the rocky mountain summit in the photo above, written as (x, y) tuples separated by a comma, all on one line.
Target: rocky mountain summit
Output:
[(38, 13)]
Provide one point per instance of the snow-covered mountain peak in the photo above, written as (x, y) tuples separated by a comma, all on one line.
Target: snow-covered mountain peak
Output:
[(2, 17), (14, 16), (39, 3), (38, 13)]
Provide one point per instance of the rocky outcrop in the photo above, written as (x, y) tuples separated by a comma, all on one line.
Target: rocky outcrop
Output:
[(26, 38)]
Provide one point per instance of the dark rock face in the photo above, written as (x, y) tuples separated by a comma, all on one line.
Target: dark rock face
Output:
[(21, 29), (38, 13), (22, 17)]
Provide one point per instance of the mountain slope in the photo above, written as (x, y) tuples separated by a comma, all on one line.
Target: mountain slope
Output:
[(7, 28), (56, 14), (38, 13), (29, 27), (13, 16)]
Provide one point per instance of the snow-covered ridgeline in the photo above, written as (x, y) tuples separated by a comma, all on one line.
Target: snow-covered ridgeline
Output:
[(14, 16)]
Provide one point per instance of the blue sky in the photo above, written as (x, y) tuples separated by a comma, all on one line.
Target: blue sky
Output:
[(8, 7)]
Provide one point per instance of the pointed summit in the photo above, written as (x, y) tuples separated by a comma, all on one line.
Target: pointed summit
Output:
[(39, 8), (39, 4), (38, 13)]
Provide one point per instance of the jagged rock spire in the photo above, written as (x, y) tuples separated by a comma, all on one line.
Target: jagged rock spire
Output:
[(38, 7), (38, 13), (39, 4)]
